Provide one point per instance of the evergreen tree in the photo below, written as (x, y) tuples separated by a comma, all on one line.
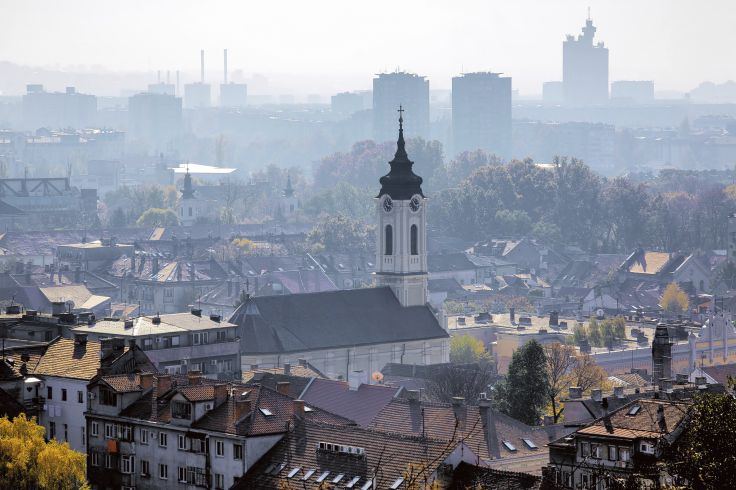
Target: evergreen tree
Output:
[(523, 395)]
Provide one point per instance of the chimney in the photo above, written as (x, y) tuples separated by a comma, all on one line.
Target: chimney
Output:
[(215, 317), (80, 339), (355, 379), (283, 387), (154, 266), (287, 368), (242, 408), (596, 394), (303, 362), (512, 315), (197, 311), (194, 378), (164, 383), (618, 392), (489, 425), (225, 67), (201, 65), (220, 394), (413, 396), (459, 409), (154, 399), (57, 308), (554, 318), (146, 380), (299, 408), (660, 418), (575, 393)]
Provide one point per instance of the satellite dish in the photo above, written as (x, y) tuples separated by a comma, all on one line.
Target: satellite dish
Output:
[(377, 376)]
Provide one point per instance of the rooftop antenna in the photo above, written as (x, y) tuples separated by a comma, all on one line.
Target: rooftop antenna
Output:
[(201, 65), (225, 67)]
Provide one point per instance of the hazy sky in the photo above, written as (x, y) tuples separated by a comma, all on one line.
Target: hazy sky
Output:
[(329, 45)]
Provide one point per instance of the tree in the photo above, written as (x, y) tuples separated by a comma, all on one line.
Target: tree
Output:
[(158, 217), (339, 234), (703, 456), (586, 374), (560, 359), (466, 381), (466, 349), (28, 461), (523, 394), (117, 219), (674, 299)]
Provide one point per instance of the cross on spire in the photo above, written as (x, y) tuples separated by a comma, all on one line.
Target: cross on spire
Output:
[(401, 117)]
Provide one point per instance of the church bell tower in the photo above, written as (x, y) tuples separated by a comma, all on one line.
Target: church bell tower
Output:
[(401, 248)]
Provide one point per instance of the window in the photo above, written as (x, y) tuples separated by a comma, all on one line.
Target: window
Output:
[(168, 295), (530, 444), (80, 396), (182, 474), (127, 464), (624, 454), (163, 471), (108, 460), (180, 410), (84, 436), (94, 458), (509, 446), (388, 247), (95, 429), (221, 336), (110, 432), (414, 232), (219, 448), (237, 451), (63, 394), (163, 439), (612, 453), (49, 393), (66, 433), (125, 432), (145, 469), (595, 451), (584, 449), (144, 436), (219, 481), (266, 412), (182, 442), (52, 430), (108, 398)]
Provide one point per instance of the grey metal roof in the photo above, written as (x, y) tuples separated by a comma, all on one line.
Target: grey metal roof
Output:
[(344, 318)]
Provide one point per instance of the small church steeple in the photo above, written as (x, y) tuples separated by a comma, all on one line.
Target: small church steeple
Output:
[(188, 191), (401, 182), (289, 191)]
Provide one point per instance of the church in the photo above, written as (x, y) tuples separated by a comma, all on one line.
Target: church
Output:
[(354, 333)]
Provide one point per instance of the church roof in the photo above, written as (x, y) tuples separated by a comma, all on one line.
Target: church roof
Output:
[(401, 182), (331, 319)]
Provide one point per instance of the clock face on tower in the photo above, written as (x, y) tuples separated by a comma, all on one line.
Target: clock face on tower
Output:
[(415, 204), (388, 204)]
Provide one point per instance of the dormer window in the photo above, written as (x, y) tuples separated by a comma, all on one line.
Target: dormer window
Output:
[(108, 397), (181, 410)]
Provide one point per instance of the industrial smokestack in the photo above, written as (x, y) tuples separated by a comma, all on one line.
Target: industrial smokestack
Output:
[(167, 77), (201, 64), (225, 56), (177, 83)]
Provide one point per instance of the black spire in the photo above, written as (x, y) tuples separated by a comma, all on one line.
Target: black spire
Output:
[(188, 191), (401, 182), (289, 191)]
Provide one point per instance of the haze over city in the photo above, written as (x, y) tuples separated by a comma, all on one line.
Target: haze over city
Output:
[(367, 245), (333, 46)]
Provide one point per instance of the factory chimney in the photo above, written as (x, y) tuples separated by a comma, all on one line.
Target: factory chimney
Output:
[(225, 68), (201, 64)]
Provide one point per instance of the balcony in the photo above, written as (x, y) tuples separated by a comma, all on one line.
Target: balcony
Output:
[(215, 349)]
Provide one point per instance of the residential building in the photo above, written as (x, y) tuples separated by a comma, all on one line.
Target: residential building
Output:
[(481, 113), (622, 443), (346, 103), (359, 329), (584, 69), (155, 120), (197, 95), (663, 268), (177, 342), (154, 431), (62, 374), (233, 95), (353, 399), (391, 90), (288, 204), (68, 109)]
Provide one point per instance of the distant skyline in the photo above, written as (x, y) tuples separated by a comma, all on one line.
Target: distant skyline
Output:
[(327, 46)]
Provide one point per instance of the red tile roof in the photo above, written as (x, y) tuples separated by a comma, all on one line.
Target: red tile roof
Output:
[(64, 358), (124, 383), (644, 423), (360, 405)]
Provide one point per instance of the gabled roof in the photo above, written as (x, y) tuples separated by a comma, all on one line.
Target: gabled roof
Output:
[(360, 405), (302, 322), (449, 262), (64, 358), (466, 423), (385, 458)]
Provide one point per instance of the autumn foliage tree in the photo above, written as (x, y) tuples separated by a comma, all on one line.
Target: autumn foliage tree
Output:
[(466, 349), (28, 461), (674, 299)]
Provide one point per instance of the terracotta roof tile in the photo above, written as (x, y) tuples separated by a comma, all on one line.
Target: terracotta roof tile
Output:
[(360, 405), (644, 422), (124, 383), (64, 358)]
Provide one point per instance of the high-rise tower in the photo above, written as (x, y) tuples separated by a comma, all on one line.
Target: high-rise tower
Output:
[(401, 248), (584, 69)]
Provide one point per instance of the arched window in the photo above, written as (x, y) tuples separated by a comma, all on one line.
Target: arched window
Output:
[(414, 240), (388, 248)]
